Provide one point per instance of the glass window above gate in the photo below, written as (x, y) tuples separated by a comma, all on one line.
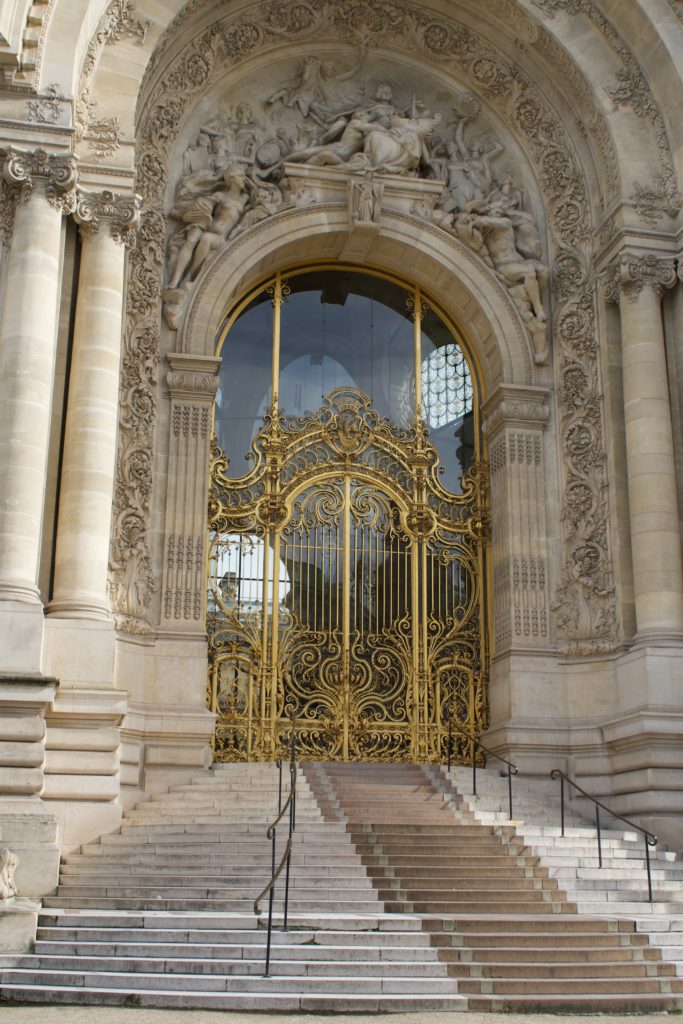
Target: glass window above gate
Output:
[(341, 327)]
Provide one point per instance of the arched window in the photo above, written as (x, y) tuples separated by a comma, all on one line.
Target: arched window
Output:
[(343, 327)]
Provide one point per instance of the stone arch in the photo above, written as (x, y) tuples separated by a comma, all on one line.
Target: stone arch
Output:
[(176, 76), (471, 293)]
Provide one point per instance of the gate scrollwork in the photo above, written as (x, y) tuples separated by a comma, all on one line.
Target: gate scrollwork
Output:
[(346, 587)]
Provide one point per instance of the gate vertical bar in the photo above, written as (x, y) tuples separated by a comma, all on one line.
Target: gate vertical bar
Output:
[(346, 614)]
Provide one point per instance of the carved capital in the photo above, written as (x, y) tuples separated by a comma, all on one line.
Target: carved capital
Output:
[(120, 214), (192, 377), (56, 174), (516, 406), (630, 273)]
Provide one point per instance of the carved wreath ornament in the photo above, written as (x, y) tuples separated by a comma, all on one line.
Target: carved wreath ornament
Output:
[(206, 212)]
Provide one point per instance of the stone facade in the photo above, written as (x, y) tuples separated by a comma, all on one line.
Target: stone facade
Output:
[(520, 158)]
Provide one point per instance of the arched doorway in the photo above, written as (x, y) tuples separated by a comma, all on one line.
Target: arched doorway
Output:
[(346, 570)]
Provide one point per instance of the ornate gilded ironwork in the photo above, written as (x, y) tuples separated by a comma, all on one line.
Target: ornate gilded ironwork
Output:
[(346, 586)]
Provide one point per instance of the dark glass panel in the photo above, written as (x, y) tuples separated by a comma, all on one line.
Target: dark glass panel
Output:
[(244, 382), (342, 329)]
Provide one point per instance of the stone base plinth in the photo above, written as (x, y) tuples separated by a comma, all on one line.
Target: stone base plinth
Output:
[(18, 924)]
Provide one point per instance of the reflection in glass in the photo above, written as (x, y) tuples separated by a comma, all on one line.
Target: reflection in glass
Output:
[(244, 382), (341, 328), (237, 564)]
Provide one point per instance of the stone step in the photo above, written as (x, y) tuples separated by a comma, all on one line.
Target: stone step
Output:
[(330, 937), (274, 1001), (227, 983), (514, 923), (565, 986), (494, 907), (235, 875), (619, 874), (576, 972), (308, 889), (408, 953), (589, 953), (575, 1003), (405, 902), (297, 905), (353, 964)]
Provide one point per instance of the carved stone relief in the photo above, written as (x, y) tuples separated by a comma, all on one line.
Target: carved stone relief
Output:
[(46, 109), (443, 43), (237, 173)]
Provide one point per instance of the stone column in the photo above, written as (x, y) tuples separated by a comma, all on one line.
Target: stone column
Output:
[(637, 283), (87, 480), (82, 783), (42, 187)]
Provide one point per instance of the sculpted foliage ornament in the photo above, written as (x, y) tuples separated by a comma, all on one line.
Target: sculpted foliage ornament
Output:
[(46, 109), (586, 598)]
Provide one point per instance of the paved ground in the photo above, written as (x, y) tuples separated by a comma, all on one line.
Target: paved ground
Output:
[(109, 1015)]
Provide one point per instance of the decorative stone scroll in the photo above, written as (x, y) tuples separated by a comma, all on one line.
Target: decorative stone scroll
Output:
[(46, 109), (118, 22)]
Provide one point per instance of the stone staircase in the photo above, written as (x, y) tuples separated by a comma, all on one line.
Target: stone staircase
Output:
[(160, 913), (618, 887), (507, 931), (405, 895)]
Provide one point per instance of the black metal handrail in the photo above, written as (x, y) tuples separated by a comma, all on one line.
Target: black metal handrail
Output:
[(649, 837), (474, 743), (285, 860)]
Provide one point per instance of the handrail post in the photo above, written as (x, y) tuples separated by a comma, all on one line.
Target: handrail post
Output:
[(597, 825), (450, 742), (650, 837), (510, 788), (279, 784), (649, 872), (474, 766)]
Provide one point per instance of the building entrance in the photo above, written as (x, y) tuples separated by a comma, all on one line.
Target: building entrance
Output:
[(346, 581)]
